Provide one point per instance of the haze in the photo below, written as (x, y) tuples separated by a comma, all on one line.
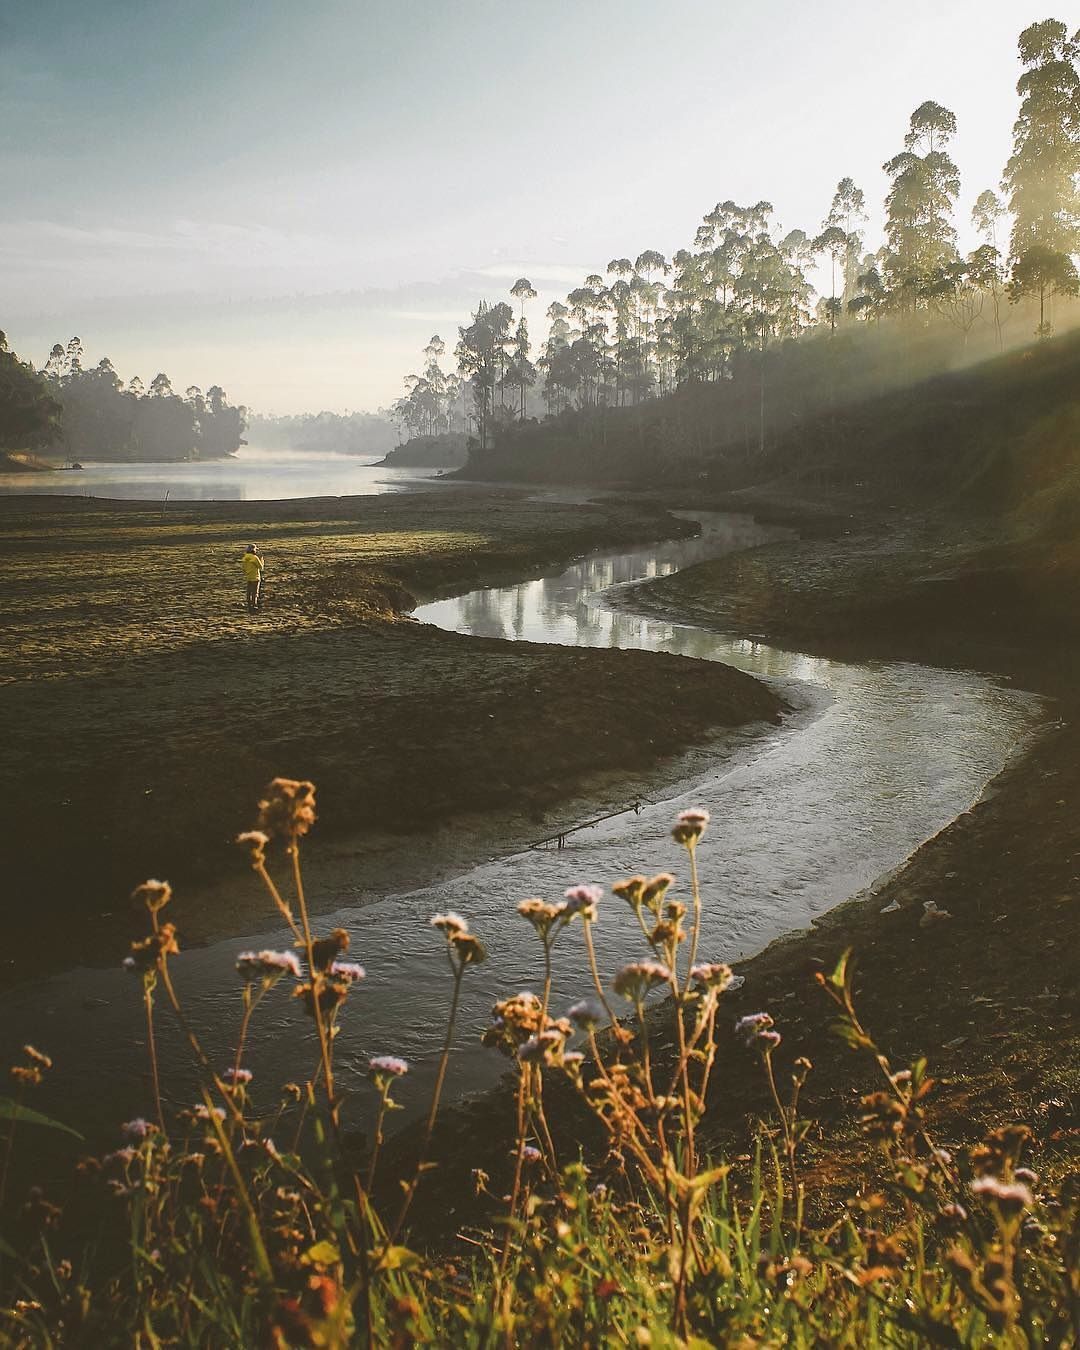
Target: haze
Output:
[(291, 203)]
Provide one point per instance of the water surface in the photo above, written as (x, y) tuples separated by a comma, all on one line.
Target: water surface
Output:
[(253, 474)]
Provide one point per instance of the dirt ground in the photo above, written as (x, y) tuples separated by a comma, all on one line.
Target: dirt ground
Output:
[(144, 708)]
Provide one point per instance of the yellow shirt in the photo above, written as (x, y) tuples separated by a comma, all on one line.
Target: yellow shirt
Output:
[(253, 566)]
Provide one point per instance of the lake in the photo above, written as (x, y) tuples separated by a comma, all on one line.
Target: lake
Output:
[(253, 474)]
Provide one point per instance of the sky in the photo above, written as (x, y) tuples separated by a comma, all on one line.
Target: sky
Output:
[(288, 200)]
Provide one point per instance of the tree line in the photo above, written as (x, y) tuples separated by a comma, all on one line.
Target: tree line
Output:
[(709, 314), (87, 412)]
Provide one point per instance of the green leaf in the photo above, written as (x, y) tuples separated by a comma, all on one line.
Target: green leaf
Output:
[(12, 1110), (398, 1258)]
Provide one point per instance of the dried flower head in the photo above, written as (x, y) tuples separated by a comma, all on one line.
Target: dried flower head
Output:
[(255, 841), (635, 980), (147, 954), (449, 923), (331, 994), (288, 809), (467, 949), (267, 965), (153, 894), (690, 826), (542, 914), (654, 891), (324, 950), (583, 900), (630, 890)]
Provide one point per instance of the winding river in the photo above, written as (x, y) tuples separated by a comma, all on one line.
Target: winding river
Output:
[(874, 759)]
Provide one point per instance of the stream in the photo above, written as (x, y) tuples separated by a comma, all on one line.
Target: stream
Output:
[(874, 759)]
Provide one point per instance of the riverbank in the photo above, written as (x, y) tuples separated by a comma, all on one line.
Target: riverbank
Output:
[(146, 709)]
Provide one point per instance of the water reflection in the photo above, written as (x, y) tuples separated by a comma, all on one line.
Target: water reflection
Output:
[(880, 758), (253, 475)]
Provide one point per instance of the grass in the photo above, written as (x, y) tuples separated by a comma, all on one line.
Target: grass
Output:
[(250, 1218)]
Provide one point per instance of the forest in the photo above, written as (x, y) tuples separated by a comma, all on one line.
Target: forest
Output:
[(77, 411), (727, 339)]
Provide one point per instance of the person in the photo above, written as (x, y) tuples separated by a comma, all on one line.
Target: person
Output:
[(253, 570)]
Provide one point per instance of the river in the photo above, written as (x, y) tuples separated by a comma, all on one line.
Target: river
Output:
[(874, 759)]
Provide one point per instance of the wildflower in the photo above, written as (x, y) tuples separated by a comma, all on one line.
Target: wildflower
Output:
[(884, 1117), (324, 950), (587, 1014), (635, 980), (450, 923), (654, 891), (543, 1048), (147, 954), (347, 970), (388, 1064), (267, 965), (752, 1026), (154, 895), (288, 809), (1009, 1196), (255, 841), (573, 1061), (1024, 1174), (121, 1155), (468, 949), (514, 1021), (136, 1129), (204, 1112), (531, 1154), (690, 826), (711, 975), (953, 1213), (239, 1077), (331, 995), (583, 900), (542, 914), (631, 891)]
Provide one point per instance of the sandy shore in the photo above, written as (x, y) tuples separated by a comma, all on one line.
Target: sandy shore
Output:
[(144, 708)]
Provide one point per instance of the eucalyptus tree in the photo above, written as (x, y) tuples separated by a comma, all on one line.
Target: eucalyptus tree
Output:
[(987, 213), (833, 242), (847, 212), (478, 355), (1041, 177), (919, 207), (522, 372), (872, 297), (522, 290)]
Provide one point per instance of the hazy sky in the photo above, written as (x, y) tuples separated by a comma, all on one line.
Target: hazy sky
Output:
[(289, 199)]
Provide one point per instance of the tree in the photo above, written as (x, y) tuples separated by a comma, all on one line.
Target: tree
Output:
[(522, 290), (29, 410), (833, 242), (161, 386), (919, 207), (848, 213), (1043, 272), (986, 215), (1041, 175)]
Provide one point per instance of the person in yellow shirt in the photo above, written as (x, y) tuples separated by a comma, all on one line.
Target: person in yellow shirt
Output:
[(253, 570)]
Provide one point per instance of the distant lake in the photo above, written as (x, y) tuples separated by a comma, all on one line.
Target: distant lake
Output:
[(252, 475)]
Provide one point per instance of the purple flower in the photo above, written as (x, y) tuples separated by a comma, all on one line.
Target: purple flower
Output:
[(587, 1014), (267, 965), (753, 1027), (712, 975), (240, 1076), (204, 1112), (122, 1155), (583, 900), (388, 1065), (347, 970), (136, 1129), (1008, 1195), (530, 1154)]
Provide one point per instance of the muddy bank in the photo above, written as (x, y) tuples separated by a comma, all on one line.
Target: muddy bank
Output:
[(146, 708)]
